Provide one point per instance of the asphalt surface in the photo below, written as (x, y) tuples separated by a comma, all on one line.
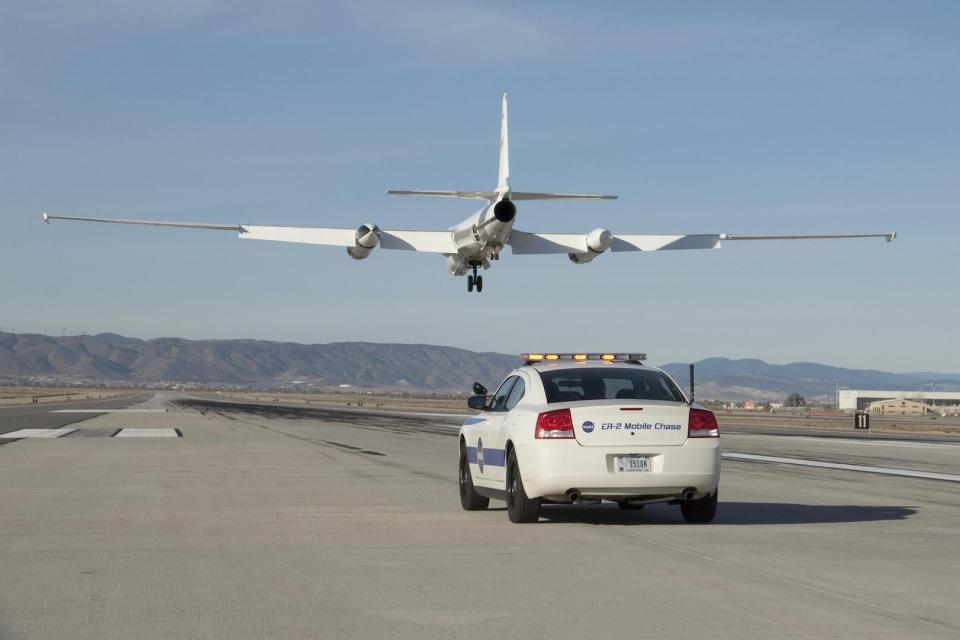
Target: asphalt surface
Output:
[(269, 521), (47, 416)]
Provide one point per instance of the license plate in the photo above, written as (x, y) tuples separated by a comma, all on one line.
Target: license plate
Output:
[(626, 464)]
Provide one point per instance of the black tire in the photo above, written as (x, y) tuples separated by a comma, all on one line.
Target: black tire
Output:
[(520, 508), (700, 511), (479, 282), (469, 283), (470, 500), (627, 506)]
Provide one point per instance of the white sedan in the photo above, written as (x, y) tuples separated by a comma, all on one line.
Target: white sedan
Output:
[(575, 428)]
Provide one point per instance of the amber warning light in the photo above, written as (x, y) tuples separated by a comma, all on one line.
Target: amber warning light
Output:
[(531, 358)]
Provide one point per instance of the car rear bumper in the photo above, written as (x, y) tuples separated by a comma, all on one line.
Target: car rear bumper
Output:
[(553, 468)]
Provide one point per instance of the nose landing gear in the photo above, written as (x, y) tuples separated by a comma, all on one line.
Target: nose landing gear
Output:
[(475, 280)]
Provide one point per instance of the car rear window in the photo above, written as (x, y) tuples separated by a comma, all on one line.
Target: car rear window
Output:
[(571, 385)]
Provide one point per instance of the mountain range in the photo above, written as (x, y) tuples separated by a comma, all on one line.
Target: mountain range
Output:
[(755, 379), (111, 358)]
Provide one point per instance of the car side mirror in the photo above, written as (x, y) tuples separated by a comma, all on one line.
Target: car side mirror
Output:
[(477, 402), (479, 389)]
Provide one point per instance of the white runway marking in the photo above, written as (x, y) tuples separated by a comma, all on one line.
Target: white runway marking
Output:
[(109, 411), (148, 433), (830, 439), (37, 433), (908, 473)]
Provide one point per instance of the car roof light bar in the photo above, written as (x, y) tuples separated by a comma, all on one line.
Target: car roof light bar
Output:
[(531, 358)]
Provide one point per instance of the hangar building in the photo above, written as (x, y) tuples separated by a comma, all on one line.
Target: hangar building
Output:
[(860, 399), (899, 407)]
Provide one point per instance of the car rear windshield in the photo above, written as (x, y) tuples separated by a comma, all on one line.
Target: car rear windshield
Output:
[(571, 385)]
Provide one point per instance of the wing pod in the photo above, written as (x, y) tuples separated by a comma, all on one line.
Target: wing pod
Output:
[(598, 241), (367, 238)]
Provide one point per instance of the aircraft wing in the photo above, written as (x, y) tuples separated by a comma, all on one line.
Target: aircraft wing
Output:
[(401, 240), (522, 242)]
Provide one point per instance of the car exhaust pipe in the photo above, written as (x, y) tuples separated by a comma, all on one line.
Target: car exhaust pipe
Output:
[(573, 495)]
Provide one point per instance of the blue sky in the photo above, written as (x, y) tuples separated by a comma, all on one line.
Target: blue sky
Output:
[(749, 117)]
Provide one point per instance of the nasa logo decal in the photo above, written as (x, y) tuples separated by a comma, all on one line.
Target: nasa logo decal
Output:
[(587, 426), (480, 454)]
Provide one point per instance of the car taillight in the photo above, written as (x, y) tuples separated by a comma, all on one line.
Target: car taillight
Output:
[(703, 424), (555, 424)]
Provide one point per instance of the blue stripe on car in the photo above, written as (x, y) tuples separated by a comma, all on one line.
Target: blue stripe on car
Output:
[(491, 457), (473, 421)]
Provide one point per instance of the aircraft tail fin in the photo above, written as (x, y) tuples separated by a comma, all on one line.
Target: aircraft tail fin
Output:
[(503, 176)]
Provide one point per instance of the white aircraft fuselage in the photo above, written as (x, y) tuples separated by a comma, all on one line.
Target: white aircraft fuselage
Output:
[(481, 237)]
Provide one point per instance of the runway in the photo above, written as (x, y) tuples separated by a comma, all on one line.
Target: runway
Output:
[(55, 415), (272, 521)]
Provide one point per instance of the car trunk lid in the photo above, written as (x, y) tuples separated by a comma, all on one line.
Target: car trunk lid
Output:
[(630, 422)]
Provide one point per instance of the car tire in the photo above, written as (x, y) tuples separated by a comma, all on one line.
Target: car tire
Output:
[(520, 508), (700, 511), (628, 506), (470, 500)]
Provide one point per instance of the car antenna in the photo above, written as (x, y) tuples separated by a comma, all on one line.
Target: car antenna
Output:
[(691, 383)]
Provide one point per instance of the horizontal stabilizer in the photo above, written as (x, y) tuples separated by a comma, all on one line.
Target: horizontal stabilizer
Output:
[(533, 195), (481, 195)]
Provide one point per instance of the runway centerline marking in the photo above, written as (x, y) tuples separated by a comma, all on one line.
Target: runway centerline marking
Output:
[(37, 433), (834, 439), (148, 433), (109, 411), (888, 471)]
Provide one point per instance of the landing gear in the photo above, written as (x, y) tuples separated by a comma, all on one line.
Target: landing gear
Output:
[(475, 280)]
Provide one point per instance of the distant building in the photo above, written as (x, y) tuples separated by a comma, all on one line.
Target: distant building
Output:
[(897, 407), (860, 399)]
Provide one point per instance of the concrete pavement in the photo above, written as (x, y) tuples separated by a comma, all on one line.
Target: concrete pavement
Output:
[(257, 524)]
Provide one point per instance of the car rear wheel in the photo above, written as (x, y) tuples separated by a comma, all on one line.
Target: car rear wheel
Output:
[(520, 508), (700, 511), (469, 498)]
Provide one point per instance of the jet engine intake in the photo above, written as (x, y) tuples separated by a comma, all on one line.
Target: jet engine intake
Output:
[(598, 241), (367, 238)]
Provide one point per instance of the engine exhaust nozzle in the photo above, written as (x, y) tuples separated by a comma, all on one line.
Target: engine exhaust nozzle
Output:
[(505, 211)]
